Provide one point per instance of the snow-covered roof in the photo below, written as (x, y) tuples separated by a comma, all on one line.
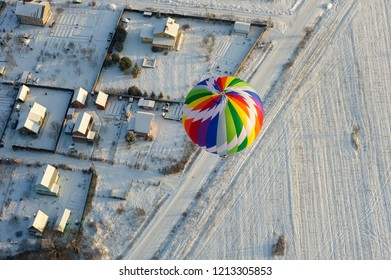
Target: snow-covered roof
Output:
[(242, 27), (82, 122), (80, 96), (167, 26), (31, 120), (33, 9), (147, 31), (22, 94), (40, 221), (146, 103), (62, 220), (143, 122), (45, 177), (169, 42), (101, 99)]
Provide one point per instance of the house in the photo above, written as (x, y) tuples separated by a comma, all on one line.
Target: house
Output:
[(146, 104), (38, 225), (101, 100), (79, 98), (163, 35), (31, 122), (33, 12), (142, 124), (82, 130), (47, 180), (241, 27), (23, 92), (62, 220)]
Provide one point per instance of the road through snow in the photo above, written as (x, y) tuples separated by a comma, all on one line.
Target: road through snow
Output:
[(160, 227)]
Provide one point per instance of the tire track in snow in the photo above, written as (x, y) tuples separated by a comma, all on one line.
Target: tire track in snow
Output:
[(275, 111)]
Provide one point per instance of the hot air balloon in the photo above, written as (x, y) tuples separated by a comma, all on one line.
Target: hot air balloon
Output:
[(222, 115)]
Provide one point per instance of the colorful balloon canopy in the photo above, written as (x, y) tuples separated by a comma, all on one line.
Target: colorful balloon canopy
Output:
[(222, 115)]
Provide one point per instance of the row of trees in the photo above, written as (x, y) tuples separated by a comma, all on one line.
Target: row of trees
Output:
[(135, 91)]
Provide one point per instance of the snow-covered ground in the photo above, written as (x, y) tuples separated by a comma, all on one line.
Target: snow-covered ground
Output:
[(305, 177), (20, 202)]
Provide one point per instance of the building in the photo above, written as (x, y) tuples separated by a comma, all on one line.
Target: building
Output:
[(47, 181), (3, 70), (242, 27), (70, 113), (82, 131), (101, 100), (79, 98), (62, 220), (23, 92), (146, 104), (33, 12), (31, 122), (165, 34), (142, 124), (39, 224)]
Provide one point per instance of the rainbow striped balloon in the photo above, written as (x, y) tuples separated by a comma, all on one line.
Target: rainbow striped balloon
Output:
[(222, 115)]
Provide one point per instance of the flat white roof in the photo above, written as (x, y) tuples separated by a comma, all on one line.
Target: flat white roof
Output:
[(82, 123), (33, 9), (146, 103), (143, 122)]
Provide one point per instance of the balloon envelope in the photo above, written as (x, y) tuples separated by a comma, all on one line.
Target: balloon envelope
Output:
[(222, 115)]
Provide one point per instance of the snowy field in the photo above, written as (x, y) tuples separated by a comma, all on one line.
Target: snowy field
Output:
[(56, 104), (20, 202), (305, 178)]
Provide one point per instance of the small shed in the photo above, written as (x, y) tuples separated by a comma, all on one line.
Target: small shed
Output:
[(3, 70), (62, 220), (101, 100), (23, 92), (79, 98), (38, 225), (242, 27), (144, 123), (149, 62)]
